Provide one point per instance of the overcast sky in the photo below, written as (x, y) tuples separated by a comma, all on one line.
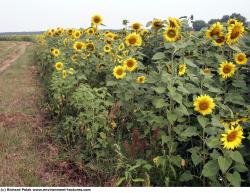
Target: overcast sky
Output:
[(34, 15)]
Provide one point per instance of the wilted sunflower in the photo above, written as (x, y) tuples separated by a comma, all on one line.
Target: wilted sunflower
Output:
[(220, 40), (136, 26), (235, 32), (171, 34), (56, 52), (90, 47), (107, 48), (240, 58), (204, 104), (157, 24), (231, 21), (97, 19), (141, 79), (174, 22), (121, 47), (133, 39), (119, 72), (232, 138), (227, 69), (130, 64), (59, 66), (182, 69), (214, 30), (77, 34)]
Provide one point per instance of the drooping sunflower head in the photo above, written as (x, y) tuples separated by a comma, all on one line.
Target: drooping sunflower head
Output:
[(219, 40), (119, 72), (227, 69), (214, 30), (141, 79), (97, 19), (107, 48), (174, 22), (79, 46), (157, 24), (133, 39), (182, 69), (77, 34), (59, 66), (171, 34), (136, 26), (130, 64), (204, 104), (240, 58), (235, 32), (56, 52), (232, 138)]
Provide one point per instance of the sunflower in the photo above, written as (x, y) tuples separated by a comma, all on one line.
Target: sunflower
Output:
[(90, 47), (204, 104), (220, 40), (207, 71), (119, 72), (73, 57), (121, 47), (65, 73), (71, 71), (79, 46), (174, 22), (182, 69), (125, 52), (90, 31), (141, 79), (214, 30), (59, 66), (133, 39), (51, 50), (130, 64), (157, 24), (70, 32), (227, 69), (144, 32), (171, 34), (136, 26), (65, 42), (232, 138), (97, 20), (235, 32), (240, 58), (77, 34), (231, 22), (56, 52), (107, 48)]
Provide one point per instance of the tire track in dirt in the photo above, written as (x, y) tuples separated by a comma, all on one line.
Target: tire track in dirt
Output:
[(10, 59)]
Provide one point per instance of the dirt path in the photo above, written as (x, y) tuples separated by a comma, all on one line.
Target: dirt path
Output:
[(11, 58)]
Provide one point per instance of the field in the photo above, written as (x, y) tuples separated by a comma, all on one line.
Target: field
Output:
[(159, 105)]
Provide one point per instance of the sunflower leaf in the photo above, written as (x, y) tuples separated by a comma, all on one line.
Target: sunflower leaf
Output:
[(224, 163), (236, 156)]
